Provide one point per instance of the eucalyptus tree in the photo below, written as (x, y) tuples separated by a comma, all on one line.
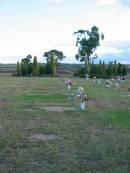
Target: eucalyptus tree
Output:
[(52, 58), (26, 65), (87, 43)]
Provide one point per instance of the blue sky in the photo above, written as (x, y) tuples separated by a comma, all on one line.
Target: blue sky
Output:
[(36, 26)]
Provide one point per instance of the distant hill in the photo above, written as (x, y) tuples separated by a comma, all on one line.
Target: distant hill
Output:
[(61, 69), (7, 68)]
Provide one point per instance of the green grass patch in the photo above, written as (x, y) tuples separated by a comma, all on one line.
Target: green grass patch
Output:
[(96, 140)]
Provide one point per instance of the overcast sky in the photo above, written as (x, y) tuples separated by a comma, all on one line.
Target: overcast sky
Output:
[(36, 26)]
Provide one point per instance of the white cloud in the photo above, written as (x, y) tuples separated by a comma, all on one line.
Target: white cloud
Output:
[(54, 1), (58, 1), (106, 2), (106, 50)]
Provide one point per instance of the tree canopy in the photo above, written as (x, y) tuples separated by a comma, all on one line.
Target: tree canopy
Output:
[(56, 55), (87, 42)]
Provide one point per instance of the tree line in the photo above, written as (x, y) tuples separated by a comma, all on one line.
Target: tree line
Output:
[(29, 66), (103, 70)]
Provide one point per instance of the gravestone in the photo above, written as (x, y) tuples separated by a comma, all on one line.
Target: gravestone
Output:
[(99, 81), (82, 97)]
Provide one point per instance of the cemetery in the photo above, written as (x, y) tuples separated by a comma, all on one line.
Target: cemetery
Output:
[(64, 124), (65, 86), (55, 123)]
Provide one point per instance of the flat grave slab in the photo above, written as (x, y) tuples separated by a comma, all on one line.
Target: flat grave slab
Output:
[(42, 137)]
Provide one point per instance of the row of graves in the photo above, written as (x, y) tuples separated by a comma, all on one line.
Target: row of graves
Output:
[(81, 96), (113, 83)]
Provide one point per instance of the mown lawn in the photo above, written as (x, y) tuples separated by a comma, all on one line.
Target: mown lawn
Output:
[(96, 140)]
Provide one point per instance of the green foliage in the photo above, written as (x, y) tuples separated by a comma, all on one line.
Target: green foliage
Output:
[(93, 69), (109, 70), (87, 42), (48, 68), (124, 70), (55, 54), (53, 67), (100, 68), (96, 70), (80, 72), (35, 67), (41, 69), (26, 66), (86, 68), (115, 68), (18, 69), (52, 58), (103, 70), (119, 69)]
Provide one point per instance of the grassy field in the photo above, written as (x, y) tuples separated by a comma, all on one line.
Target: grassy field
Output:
[(96, 140)]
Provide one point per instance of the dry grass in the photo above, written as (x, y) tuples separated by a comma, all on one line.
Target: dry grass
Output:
[(96, 140)]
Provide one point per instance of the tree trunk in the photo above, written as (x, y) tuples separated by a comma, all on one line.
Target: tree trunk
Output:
[(53, 67), (86, 67)]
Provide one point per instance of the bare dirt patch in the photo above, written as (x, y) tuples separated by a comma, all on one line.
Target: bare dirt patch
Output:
[(51, 108), (43, 137), (30, 110), (39, 94), (59, 109)]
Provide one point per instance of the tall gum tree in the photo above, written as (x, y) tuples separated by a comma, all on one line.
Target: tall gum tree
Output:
[(87, 43), (53, 57)]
